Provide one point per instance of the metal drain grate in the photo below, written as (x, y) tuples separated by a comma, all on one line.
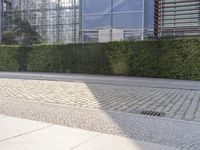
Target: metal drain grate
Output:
[(152, 113)]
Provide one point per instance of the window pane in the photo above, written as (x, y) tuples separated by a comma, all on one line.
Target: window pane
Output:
[(127, 20), (127, 5), (96, 6), (151, 14), (96, 21)]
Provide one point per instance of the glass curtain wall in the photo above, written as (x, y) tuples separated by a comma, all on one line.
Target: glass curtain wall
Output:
[(57, 21), (1, 6), (72, 21), (151, 19), (114, 20)]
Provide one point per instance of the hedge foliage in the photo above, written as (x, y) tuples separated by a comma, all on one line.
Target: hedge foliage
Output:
[(14, 58), (178, 59), (8, 58), (80, 58)]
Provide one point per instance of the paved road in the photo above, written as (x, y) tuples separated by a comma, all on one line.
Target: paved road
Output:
[(101, 79), (107, 105), (129, 97)]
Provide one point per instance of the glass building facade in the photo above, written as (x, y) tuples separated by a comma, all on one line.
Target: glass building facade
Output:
[(57, 21), (73, 21), (115, 20), (177, 17)]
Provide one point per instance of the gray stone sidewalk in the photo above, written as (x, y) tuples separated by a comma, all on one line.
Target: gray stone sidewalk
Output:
[(108, 105), (184, 135), (176, 103)]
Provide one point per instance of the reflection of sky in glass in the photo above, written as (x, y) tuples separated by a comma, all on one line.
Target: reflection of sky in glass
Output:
[(127, 5), (104, 6), (96, 21), (151, 14), (96, 6), (127, 21), (127, 14)]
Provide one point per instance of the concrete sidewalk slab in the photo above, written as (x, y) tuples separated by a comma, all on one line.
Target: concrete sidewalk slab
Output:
[(52, 138), (2, 116), (11, 127), (20, 134), (110, 142)]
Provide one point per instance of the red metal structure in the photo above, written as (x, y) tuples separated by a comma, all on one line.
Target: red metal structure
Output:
[(177, 18)]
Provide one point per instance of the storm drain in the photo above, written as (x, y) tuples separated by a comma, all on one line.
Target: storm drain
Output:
[(152, 113)]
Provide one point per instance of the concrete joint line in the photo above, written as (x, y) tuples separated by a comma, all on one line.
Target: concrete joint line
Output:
[(3, 117), (25, 133), (86, 141)]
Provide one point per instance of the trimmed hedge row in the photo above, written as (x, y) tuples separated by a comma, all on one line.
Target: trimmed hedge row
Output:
[(14, 58), (178, 59), (8, 58), (81, 58)]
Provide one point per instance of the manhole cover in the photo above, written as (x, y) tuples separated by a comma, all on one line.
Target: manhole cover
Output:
[(152, 113)]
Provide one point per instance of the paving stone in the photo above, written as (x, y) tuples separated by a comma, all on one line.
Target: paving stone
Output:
[(52, 101), (102, 96), (166, 131)]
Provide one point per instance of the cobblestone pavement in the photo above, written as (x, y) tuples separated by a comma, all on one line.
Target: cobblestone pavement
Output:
[(184, 135), (109, 108), (176, 103)]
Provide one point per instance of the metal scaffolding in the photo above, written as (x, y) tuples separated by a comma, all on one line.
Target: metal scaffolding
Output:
[(56, 21)]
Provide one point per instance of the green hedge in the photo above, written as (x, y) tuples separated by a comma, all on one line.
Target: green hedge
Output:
[(178, 59), (80, 58), (14, 58), (8, 58)]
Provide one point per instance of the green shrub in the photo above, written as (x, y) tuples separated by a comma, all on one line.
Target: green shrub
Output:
[(8, 58), (80, 58), (13, 58), (136, 58), (179, 59), (22, 56)]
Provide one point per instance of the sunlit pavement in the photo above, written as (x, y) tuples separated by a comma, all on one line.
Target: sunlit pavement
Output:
[(19, 134), (107, 104)]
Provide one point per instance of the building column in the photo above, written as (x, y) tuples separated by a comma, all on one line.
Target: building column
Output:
[(1, 6), (145, 10)]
